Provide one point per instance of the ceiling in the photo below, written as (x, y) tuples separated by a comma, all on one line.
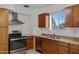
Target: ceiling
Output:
[(34, 6)]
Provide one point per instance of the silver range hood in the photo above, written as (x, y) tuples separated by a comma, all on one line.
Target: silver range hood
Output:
[(15, 20)]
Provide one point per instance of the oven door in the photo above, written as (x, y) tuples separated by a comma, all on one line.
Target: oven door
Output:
[(17, 44)]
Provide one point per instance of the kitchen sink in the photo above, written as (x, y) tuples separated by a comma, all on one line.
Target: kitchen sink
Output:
[(53, 36)]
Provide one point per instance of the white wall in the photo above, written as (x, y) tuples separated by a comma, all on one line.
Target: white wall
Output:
[(24, 15), (25, 28), (31, 21), (37, 31)]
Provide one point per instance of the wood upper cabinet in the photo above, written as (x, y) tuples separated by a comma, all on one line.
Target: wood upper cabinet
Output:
[(76, 16), (69, 16), (72, 16), (29, 43), (3, 40), (43, 20), (3, 18)]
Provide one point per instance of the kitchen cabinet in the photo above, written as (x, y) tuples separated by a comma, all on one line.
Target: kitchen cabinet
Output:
[(3, 18), (63, 44), (43, 20), (72, 16), (3, 40), (73, 46), (49, 46), (38, 44), (73, 51), (62, 50), (29, 43), (45, 46), (63, 47), (69, 16), (76, 15), (52, 48), (4, 31)]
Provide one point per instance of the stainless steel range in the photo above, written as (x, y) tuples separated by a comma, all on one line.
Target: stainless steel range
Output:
[(17, 43)]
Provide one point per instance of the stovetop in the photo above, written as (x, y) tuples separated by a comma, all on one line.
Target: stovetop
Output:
[(16, 36)]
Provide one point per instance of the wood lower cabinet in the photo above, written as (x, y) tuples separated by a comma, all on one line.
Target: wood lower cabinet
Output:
[(73, 51), (29, 43), (62, 50), (45, 45), (3, 40), (53, 47), (63, 47), (74, 46), (49, 46)]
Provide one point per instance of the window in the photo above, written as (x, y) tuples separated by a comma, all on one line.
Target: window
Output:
[(57, 20)]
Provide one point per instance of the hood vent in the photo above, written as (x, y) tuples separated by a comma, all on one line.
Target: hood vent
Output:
[(15, 20)]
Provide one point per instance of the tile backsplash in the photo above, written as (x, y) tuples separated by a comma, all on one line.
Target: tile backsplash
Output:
[(67, 31)]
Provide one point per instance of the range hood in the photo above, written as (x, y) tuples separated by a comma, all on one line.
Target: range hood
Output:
[(15, 20)]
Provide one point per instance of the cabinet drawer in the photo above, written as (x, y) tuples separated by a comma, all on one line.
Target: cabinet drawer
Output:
[(63, 44), (73, 46), (62, 50)]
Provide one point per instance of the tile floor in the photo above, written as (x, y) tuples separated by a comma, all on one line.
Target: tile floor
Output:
[(32, 51)]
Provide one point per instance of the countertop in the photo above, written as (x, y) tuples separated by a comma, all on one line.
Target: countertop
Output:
[(72, 40)]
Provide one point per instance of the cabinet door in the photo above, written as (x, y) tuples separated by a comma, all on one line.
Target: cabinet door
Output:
[(52, 47), (73, 51), (74, 46), (69, 16), (3, 41), (62, 50), (49, 46), (42, 20), (3, 18), (76, 15), (29, 43), (45, 46)]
